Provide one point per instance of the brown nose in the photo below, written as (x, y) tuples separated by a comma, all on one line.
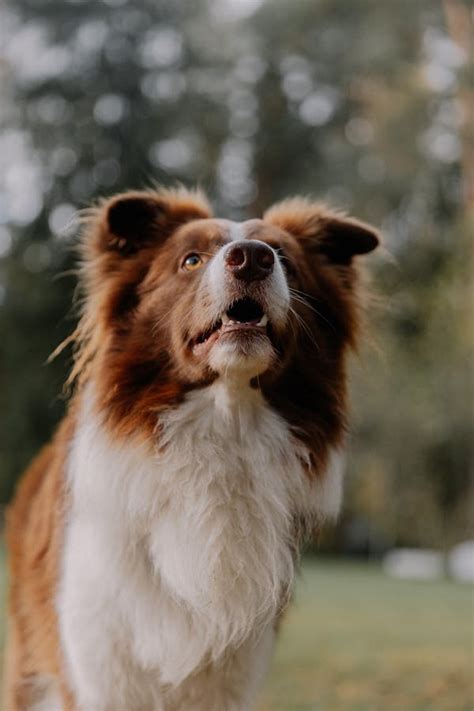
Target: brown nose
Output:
[(250, 260)]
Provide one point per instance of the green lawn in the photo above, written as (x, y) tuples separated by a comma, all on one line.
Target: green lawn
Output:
[(355, 640)]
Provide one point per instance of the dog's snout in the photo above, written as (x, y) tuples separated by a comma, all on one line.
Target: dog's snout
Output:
[(250, 260)]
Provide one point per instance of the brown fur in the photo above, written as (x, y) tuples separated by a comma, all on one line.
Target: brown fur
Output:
[(34, 535), (133, 340)]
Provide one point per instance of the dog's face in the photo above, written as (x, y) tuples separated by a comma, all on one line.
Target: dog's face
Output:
[(177, 298), (235, 305)]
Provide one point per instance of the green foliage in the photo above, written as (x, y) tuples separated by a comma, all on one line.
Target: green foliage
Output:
[(355, 102)]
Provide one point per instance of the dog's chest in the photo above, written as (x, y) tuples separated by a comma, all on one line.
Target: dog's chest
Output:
[(185, 551)]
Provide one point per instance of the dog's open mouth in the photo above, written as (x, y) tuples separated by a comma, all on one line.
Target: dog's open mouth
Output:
[(244, 316)]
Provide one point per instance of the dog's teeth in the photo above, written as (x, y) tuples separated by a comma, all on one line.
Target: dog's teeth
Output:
[(263, 321), (225, 318)]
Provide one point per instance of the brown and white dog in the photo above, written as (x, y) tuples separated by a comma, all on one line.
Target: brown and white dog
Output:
[(153, 543)]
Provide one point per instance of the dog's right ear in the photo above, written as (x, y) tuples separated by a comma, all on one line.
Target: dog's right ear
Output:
[(125, 224), (131, 222)]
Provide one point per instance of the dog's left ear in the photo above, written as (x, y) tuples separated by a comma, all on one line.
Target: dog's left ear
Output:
[(342, 238), (323, 231)]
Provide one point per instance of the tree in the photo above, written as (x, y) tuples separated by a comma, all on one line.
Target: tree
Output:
[(354, 102)]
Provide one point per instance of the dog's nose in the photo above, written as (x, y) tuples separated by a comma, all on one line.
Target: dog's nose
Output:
[(250, 260)]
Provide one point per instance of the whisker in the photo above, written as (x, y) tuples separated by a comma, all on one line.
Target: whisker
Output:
[(293, 327), (158, 323), (305, 327), (299, 296)]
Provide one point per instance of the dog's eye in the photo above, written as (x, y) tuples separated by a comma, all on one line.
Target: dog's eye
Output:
[(192, 261)]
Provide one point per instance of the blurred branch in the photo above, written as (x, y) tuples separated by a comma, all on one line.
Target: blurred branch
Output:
[(460, 28)]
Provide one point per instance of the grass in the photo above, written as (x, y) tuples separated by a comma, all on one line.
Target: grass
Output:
[(355, 640)]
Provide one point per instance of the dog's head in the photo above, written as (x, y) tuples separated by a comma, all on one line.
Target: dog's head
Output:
[(176, 298)]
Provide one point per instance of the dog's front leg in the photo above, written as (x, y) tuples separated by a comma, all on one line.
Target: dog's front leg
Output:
[(95, 634), (232, 684)]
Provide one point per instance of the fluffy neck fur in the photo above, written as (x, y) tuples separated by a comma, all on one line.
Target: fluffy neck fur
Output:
[(199, 534)]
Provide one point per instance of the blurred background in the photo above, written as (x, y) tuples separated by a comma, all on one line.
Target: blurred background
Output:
[(364, 104)]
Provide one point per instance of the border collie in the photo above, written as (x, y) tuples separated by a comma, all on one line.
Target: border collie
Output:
[(153, 542)]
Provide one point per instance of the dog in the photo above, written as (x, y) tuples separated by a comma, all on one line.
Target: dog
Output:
[(153, 542)]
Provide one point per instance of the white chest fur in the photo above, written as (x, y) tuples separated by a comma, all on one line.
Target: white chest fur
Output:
[(174, 557)]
